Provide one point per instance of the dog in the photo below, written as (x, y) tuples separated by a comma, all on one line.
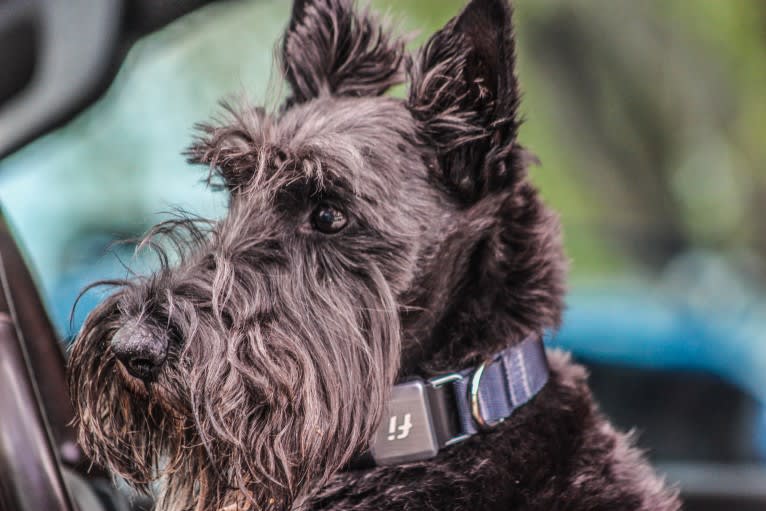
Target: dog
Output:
[(362, 331)]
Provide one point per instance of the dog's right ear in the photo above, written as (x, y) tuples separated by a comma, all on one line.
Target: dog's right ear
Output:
[(464, 96), (330, 49)]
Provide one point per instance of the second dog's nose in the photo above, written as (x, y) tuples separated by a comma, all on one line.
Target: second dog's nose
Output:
[(140, 350)]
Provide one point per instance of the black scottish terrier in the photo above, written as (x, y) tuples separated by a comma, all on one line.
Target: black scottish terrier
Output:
[(362, 331)]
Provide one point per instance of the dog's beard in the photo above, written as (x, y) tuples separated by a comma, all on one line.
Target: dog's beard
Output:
[(254, 413)]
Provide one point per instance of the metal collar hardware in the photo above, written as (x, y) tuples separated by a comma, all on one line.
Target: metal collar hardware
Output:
[(425, 416)]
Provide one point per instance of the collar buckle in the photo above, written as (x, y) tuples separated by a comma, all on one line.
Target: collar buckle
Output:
[(482, 423)]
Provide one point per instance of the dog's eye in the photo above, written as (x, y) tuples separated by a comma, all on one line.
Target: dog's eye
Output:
[(329, 220)]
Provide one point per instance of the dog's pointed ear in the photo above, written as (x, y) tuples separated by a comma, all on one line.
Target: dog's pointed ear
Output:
[(331, 49), (465, 97)]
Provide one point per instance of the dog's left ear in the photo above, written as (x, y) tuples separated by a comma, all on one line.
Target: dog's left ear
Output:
[(465, 97), (330, 49)]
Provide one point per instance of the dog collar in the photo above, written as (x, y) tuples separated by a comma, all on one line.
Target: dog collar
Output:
[(426, 416)]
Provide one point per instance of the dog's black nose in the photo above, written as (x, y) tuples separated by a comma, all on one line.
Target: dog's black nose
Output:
[(140, 350)]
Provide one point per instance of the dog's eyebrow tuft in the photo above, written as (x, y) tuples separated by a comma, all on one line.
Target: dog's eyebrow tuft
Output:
[(307, 176), (234, 146)]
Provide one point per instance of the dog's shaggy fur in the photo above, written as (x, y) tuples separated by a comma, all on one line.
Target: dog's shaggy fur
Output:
[(283, 328)]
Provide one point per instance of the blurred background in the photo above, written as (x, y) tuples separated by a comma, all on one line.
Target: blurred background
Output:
[(649, 119)]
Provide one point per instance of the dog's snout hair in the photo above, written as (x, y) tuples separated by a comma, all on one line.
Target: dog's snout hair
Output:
[(277, 373)]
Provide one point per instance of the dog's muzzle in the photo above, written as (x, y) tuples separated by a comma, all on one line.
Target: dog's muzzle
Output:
[(140, 350)]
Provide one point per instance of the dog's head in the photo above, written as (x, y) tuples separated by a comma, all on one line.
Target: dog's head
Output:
[(367, 237)]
